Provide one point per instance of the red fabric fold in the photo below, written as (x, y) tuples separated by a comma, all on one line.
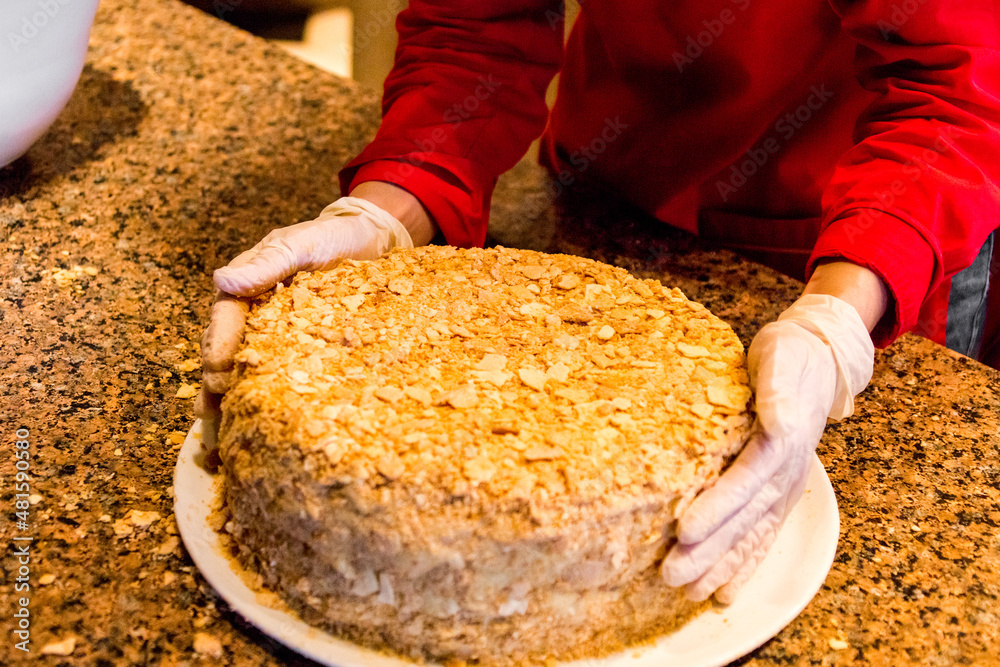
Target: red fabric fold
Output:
[(768, 111)]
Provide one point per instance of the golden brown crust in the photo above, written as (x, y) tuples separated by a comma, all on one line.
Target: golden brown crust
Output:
[(477, 454)]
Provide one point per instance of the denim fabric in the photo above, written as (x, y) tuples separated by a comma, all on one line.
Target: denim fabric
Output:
[(967, 303)]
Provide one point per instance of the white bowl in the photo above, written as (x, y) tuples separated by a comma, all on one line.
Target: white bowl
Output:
[(42, 47)]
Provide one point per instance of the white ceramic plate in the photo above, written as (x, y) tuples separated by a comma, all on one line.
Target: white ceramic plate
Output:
[(783, 585)]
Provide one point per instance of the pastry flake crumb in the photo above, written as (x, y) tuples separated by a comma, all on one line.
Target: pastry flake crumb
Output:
[(486, 449)]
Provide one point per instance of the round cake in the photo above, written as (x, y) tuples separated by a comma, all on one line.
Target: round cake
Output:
[(476, 455)]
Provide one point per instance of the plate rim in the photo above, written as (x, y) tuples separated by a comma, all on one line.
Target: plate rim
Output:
[(202, 544)]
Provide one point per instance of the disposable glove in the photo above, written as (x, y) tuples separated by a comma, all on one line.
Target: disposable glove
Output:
[(348, 228), (804, 368)]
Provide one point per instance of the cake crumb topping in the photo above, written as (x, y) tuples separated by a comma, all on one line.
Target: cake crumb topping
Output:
[(450, 372)]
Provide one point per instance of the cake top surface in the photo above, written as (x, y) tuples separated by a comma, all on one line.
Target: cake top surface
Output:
[(507, 378)]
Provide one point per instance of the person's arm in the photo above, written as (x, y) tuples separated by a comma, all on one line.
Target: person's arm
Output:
[(462, 104), (401, 205), (916, 197), (805, 369), (911, 203), (856, 285)]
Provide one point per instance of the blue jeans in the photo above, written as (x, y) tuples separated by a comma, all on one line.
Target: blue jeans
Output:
[(967, 303)]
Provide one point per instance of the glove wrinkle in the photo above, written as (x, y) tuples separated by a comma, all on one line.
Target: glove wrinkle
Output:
[(217, 382), (761, 458), (224, 333), (727, 593), (838, 324), (739, 555), (746, 516), (780, 394), (762, 536)]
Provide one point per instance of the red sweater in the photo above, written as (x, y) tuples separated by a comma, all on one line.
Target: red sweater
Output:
[(790, 130)]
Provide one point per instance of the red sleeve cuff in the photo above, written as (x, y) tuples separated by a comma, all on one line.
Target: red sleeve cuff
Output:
[(896, 251), (459, 209)]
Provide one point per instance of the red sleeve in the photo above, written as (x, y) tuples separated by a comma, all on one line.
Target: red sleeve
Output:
[(916, 197), (464, 100)]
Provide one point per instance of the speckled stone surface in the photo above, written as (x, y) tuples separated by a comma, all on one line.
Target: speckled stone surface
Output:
[(185, 142)]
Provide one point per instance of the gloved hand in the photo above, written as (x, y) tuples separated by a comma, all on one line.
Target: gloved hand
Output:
[(804, 368), (348, 228)]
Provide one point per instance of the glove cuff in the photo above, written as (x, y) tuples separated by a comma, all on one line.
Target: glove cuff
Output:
[(390, 232), (839, 325)]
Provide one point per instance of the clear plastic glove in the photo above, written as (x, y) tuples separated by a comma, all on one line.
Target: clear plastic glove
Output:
[(348, 228), (804, 368)]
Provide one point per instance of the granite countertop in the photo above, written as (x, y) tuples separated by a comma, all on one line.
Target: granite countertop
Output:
[(187, 140)]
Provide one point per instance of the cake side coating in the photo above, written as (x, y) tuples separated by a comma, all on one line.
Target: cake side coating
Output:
[(477, 454)]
